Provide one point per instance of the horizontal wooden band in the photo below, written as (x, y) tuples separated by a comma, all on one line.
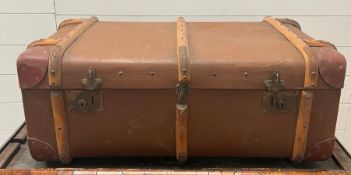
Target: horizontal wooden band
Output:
[(57, 52), (302, 125), (311, 66), (61, 129)]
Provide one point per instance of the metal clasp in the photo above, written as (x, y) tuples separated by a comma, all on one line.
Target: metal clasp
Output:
[(275, 84), (276, 100), (89, 99), (182, 91), (91, 82)]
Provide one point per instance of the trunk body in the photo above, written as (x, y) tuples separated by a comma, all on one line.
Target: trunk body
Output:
[(132, 113)]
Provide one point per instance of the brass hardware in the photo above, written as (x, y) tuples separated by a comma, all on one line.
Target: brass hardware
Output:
[(182, 91), (88, 100), (276, 100), (274, 84), (91, 82), (84, 101)]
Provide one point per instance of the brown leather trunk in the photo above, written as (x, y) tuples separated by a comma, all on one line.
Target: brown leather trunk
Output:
[(118, 83)]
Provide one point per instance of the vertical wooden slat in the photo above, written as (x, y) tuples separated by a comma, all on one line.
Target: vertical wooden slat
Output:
[(57, 97), (184, 78), (302, 125), (61, 130), (181, 132), (182, 51), (310, 81)]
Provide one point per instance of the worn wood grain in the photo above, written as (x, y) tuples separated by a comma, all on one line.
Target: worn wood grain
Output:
[(302, 125), (8, 153)]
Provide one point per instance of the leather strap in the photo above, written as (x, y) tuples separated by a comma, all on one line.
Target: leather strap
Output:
[(183, 86), (310, 81)]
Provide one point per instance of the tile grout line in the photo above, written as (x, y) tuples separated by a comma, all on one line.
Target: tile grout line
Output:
[(197, 15), (54, 3)]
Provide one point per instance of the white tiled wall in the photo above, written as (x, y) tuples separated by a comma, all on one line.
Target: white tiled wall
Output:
[(22, 21)]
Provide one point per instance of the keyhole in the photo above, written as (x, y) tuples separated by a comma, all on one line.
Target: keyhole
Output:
[(281, 104), (82, 103)]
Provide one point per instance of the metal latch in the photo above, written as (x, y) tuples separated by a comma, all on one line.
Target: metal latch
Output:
[(91, 82), (182, 91), (277, 100), (88, 100)]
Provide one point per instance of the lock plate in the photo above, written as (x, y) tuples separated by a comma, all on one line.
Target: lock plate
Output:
[(284, 101), (84, 100)]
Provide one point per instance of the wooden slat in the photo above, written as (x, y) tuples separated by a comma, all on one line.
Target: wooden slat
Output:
[(8, 153), (318, 27), (182, 52), (181, 130), (302, 125), (311, 69), (184, 79), (61, 130), (342, 158), (57, 52), (21, 135)]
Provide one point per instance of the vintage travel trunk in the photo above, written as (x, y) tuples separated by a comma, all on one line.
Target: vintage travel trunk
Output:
[(182, 89)]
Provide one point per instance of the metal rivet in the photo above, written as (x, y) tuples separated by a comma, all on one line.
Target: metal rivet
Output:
[(152, 73), (120, 73), (214, 74)]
